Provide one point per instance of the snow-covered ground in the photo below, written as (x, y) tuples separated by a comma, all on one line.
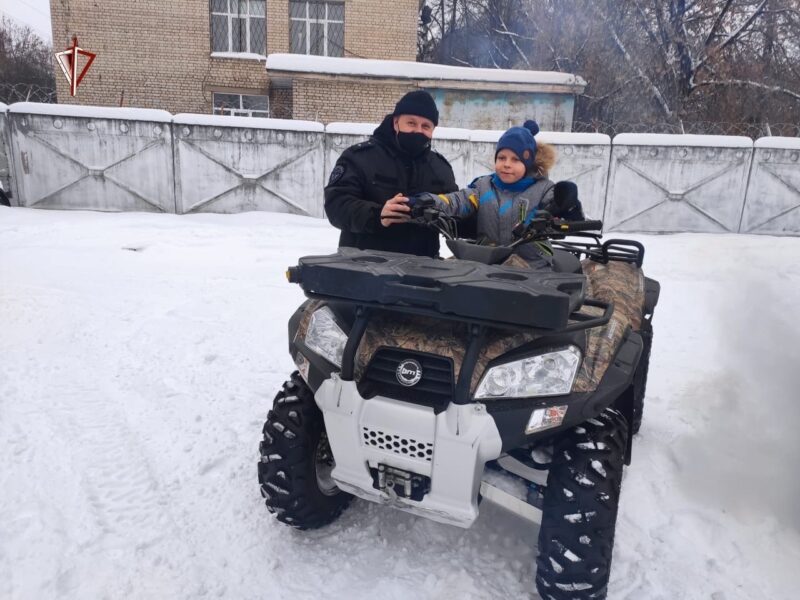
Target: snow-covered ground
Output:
[(139, 355)]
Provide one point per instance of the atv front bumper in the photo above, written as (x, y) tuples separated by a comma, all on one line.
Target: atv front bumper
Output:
[(381, 446)]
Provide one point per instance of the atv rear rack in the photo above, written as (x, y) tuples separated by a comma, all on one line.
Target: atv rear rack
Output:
[(628, 251)]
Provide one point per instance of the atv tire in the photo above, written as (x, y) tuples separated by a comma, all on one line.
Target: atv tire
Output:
[(640, 376), (296, 461), (579, 511)]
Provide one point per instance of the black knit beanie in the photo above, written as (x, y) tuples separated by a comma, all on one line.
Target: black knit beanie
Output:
[(419, 103)]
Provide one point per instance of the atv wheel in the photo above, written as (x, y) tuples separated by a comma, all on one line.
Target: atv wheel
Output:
[(640, 376), (296, 461), (579, 513)]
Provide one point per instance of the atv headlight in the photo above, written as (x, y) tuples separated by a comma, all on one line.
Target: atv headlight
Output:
[(549, 374), (325, 337)]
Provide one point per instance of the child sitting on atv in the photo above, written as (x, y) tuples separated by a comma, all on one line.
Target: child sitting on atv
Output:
[(516, 191)]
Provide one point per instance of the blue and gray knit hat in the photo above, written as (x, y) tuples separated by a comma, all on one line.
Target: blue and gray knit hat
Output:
[(520, 141)]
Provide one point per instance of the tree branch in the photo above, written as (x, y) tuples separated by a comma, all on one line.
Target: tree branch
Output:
[(747, 83)]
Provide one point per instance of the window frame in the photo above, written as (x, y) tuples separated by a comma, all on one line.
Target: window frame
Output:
[(240, 111), (230, 18), (308, 21)]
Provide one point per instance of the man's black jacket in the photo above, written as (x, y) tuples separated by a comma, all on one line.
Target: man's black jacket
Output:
[(366, 176)]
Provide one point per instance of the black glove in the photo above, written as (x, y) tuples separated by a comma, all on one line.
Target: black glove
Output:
[(565, 203), (419, 203)]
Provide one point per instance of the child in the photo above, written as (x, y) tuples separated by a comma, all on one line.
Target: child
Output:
[(517, 189)]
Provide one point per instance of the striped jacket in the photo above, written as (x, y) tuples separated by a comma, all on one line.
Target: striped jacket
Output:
[(500, 207)]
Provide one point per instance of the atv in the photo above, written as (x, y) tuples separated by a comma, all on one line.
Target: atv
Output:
[(429, 385)]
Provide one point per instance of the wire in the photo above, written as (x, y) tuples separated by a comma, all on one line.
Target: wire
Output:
[(34, 8)]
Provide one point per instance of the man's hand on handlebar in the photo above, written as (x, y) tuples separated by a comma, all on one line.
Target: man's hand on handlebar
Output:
[(395, 210)]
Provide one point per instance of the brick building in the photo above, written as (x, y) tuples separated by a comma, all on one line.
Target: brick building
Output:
[(206, 56)]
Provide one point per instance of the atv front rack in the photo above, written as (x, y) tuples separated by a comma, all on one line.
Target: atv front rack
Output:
[(490, 295), (483, 297)]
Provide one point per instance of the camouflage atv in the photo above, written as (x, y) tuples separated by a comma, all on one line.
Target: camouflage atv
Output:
[(429, 384)]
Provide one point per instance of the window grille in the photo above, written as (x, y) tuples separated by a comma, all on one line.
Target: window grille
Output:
[(239, 26), (317, 28)]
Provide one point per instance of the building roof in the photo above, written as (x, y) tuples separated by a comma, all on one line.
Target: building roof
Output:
[(427, 74)]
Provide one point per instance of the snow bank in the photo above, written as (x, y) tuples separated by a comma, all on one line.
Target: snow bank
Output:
[(91, 112), (247, 122), (550, 137), (141, 354), (413, 70)]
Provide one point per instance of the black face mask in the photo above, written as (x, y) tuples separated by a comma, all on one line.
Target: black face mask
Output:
[(413, 144)]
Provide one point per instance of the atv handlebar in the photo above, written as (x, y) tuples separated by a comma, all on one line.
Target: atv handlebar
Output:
[(576, 226), (425, 212)]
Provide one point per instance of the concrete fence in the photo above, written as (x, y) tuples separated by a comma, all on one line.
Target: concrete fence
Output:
[(119, 159)]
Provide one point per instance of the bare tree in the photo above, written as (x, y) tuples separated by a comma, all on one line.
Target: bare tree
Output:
[(656, 62), (26, 65)]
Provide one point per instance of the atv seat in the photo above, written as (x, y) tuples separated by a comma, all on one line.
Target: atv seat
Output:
[(566, 262)]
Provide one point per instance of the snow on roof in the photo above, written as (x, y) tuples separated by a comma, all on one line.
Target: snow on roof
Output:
[(91, 112), (247, 122), (3, 106), (413, 70), (550, 137), (778, 143), (669, 139)]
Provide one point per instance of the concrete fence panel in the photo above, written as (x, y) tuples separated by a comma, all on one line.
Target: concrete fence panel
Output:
[(454, 144), (581, 157), (670, 183), (233, 164), (88, 157), (339, 137), (773, 194)]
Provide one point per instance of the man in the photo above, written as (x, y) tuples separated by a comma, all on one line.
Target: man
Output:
[(365, 193)]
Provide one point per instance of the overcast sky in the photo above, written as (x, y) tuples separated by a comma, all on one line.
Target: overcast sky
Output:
[(33, 13)]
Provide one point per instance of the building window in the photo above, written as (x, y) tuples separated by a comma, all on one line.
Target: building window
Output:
[(317, 28), (241, 105), (238, 26)]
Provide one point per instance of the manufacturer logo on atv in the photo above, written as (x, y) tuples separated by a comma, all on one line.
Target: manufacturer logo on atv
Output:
[(409, 372)]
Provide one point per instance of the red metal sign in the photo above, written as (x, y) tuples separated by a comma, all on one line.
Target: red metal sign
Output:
[(68, 61)]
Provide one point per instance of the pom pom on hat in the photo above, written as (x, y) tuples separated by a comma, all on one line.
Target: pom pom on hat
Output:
[(531, 126)]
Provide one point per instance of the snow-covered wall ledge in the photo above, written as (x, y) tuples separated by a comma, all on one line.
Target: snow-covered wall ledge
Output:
[(772, 203), (671, 183), (235, 164), (114, 159)]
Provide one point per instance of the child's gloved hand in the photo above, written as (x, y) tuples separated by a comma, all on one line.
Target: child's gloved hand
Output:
[(565, 204), (418, 203)]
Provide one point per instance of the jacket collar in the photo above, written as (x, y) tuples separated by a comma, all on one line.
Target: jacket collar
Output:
[(517, 186)]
